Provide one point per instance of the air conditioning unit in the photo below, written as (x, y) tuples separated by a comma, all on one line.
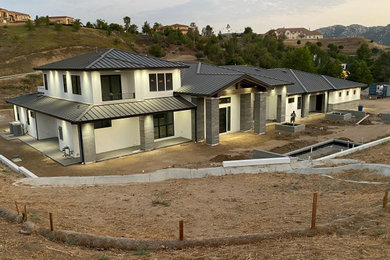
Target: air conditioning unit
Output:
[(18, 129)]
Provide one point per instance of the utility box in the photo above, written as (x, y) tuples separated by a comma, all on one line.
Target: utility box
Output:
[(17, 128), (379, 90)]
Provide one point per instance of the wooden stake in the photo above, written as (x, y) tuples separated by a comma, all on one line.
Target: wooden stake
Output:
[(17, 208), (25, 213), (314, 212), (181, 230), (385, 199), (51, 221)]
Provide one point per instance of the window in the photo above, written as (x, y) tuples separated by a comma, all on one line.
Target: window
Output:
[(64, 83), (168, 81), (60, 133), (103, 123), (28, 118), (76, 85), (299, 103), (291, 100), (163, 125), (339, 94), (160, 82), (45, 81), (32, 114), (225, 100), (354, 92), (152, 82), (111, 87), (347, 93)]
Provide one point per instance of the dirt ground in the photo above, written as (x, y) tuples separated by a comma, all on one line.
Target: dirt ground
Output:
[(210, 207), (195, 155)]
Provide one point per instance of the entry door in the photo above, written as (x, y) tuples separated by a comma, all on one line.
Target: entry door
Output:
[(319, 102), (224, 119)]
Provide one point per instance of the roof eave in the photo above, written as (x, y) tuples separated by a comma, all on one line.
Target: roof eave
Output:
[(113, 68)]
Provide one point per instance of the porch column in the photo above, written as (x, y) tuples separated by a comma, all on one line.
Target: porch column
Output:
[(245, 112), (281, 108), (305, 105), (212, 121), (199, 119), (88, 142), (146, 129), (324, 103), (260, 112)]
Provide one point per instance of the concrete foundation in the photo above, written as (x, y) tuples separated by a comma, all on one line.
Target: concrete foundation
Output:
[(290, 128), (338, 116)]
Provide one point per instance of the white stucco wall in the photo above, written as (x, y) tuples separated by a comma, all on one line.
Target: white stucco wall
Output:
[(141, 79), (334, 97), (70, 137), (290, 107), (47, 126), (56, 88), (29, 129), (183, 124), (123, 133)]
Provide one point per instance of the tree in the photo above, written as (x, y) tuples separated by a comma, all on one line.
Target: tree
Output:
[(156, 26), (207, 31), (382, 68), (360, 72), (127, 21), (29, 25), (76, 25), (101, 24), (116, 27), (248, 30), (156, 50), (364, 53), (133, 29), (37, 21), (300, 59), (46, 20), (333, 69), (146, 28), (89, 25)]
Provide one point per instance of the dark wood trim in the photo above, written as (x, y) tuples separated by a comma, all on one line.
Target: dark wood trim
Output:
[(238, 91)]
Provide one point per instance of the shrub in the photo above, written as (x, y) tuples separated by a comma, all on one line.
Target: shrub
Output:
[(156, 50)]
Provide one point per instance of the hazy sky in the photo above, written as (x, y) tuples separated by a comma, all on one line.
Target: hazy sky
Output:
[(261, 15)]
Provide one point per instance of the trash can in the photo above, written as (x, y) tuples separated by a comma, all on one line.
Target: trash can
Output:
[(360, 108)]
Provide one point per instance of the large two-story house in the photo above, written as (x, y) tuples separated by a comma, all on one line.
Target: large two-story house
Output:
[(110, 100)]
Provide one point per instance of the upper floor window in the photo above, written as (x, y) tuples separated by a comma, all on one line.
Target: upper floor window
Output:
[(103, 123), (160, 82), (45, 81), (111, 87), (64, 83), (76, 84), (291, 100)]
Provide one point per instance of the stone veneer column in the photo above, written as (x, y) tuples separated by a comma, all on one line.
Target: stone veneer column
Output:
[(146, 129), (260, 112), (281, 108), (199, 119), (305, 105), (88, 142), (246, 116), (212, 121)]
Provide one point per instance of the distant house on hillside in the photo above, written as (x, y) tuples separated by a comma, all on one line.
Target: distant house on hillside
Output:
[(9, 17), (180, 27), (61, 19), (297, 33)]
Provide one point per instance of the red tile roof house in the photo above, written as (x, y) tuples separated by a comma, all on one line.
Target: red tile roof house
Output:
[(110, 103)]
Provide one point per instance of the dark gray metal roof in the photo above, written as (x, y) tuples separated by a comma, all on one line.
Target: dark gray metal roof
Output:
[(111, 59), (305, 82), (206, 80), (76, 112)]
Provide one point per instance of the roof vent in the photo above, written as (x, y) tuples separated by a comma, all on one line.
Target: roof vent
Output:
[(199, 66)]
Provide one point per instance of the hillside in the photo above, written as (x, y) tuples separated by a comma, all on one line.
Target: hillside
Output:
[(22, 50), (379, 34), (350, 44)]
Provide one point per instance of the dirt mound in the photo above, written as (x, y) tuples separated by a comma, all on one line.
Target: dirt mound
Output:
[(361, 175), (228, 157), (291, 147)]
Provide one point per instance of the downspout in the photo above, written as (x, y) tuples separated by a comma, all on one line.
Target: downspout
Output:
[(81, 143)]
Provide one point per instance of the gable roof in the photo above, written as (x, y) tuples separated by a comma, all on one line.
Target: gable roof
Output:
[(111, 59), (76, 112), (207, 80)]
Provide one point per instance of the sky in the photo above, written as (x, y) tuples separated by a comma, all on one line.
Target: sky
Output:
[(261, 15)]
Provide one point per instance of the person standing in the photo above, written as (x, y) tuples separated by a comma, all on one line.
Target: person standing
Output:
[(293, 116)]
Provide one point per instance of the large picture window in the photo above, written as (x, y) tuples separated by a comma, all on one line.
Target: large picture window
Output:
[(64, 83), (163, 125), (45, 81), (76, 84), (160, 82), (111, 87)]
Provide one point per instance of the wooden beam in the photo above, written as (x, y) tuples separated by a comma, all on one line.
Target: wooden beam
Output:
[(238, 91)]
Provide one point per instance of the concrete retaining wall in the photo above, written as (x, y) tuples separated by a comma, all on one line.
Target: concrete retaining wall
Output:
[(253, 162), (289, 128), (354, 113), (16, 168), (335, 116), (385, 117), (262, 154)]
